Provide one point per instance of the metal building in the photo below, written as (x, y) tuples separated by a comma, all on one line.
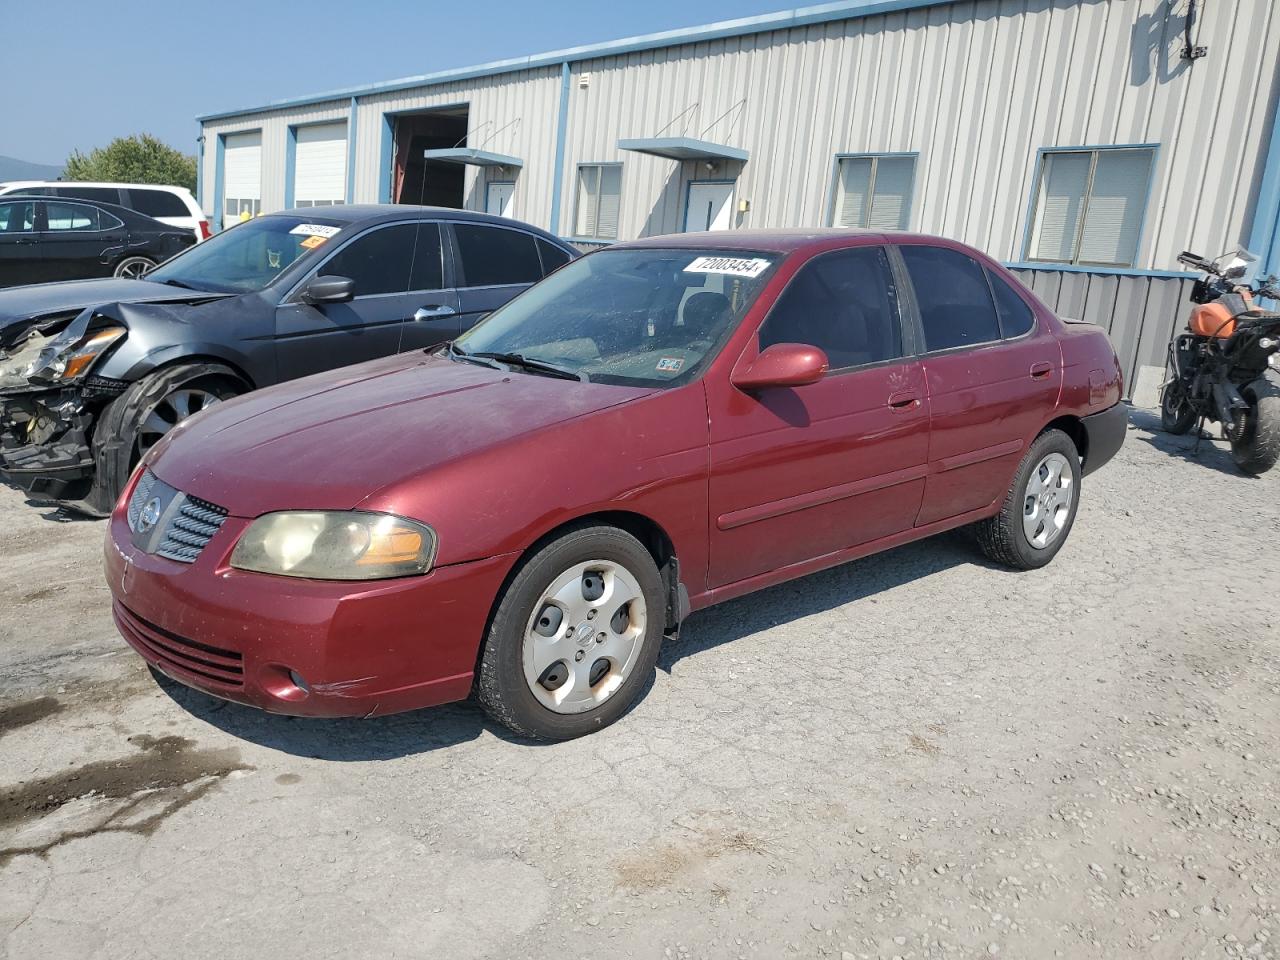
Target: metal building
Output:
[(1084, 142)]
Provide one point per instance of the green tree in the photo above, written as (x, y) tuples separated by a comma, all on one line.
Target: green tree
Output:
[(136, 159)]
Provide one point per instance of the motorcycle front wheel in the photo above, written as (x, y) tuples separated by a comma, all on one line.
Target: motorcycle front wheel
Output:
[(1176, 414), (1255, 441)]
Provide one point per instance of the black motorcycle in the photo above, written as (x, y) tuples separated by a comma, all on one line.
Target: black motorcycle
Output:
[(1224, 368)]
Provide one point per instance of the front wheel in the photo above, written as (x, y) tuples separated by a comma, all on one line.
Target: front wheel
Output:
[(1255, 441), (1040, 507), (134, 268), (575, 636), (1176, 413)]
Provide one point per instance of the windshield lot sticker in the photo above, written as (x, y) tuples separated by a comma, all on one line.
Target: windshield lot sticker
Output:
[(670, 364), (730, 266), (312, 242), (314, 230)]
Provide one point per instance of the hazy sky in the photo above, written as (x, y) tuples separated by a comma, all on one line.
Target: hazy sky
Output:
[(82, 72)]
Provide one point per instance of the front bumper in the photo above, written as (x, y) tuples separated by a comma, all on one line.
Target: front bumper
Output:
[(1106, 431), (302, 647)]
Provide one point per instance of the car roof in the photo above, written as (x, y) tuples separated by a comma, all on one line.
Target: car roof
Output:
[(778, 241), (94, 183), (368, 213), (127, 214)]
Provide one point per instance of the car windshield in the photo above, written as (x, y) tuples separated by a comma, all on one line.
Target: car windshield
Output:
[(247, 257), (650, 317)]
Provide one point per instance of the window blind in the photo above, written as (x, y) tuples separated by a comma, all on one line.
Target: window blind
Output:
[(1113, 217)]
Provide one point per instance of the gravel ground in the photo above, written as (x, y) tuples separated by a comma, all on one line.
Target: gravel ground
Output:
[(916, 755)]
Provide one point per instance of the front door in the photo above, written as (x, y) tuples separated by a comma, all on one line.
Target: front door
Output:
[(498, 197), (993, 372), (310, 339), (799, 473), (19, 249), (710, 206)]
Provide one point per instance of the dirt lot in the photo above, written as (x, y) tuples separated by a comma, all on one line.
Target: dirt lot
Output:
[(917, 755)]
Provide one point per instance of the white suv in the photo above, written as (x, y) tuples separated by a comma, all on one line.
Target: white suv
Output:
[(172, 205)]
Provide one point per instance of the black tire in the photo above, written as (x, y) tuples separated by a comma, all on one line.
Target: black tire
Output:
[(1002, 537), (1255, 443), (501, 686), (133, 266), (116, 435), (1176, 414)]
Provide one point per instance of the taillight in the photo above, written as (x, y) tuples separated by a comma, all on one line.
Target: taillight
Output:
[(205, 232)]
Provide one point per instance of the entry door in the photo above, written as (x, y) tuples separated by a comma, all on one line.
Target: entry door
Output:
[(19, 249), (710, 207), (800, 473), (498, 197)]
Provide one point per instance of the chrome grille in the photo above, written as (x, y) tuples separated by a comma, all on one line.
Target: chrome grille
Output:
[(170, 523), (191, 529)]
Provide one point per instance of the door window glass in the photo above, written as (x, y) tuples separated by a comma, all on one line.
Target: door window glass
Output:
[(17, 217), (378, 262), (1016, 318), (953, 297), (428, 265), (71, 216), (492, 256), (845, 303)]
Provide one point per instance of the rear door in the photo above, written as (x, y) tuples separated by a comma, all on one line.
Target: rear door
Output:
[(993, 376), (493, 264), (19, 244), (433, 317), (74, 244), (314, 338)]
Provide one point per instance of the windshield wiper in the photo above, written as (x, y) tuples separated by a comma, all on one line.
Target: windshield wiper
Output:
[(176, 283), (456, 354), (526, 363)]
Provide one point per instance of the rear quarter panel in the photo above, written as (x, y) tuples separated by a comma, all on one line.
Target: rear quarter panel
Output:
[(1092, 379)]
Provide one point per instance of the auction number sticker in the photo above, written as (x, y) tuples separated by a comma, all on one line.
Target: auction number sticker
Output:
[(314, 230), (729, 266)]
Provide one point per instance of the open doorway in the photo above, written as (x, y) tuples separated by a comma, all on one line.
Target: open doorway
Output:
[(433, 182)]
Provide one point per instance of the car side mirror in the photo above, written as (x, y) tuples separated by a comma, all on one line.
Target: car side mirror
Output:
[(320, 290), (782, 365)]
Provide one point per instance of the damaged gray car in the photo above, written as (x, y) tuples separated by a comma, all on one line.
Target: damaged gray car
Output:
[(93, 373)]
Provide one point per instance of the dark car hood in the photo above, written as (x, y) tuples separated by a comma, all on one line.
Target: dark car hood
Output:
[(332, 440), (19, 303)]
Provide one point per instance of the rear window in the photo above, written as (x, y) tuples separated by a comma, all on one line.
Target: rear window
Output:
[(493, 256), (158, 203), (102, 194)]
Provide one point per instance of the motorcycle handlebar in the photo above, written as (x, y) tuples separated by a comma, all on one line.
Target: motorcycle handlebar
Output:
[(1195, 260)]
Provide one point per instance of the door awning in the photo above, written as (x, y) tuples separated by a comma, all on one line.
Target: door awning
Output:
[(477, 158), (684, 148)]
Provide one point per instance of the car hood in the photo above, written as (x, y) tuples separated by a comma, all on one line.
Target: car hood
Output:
[(333, 440)]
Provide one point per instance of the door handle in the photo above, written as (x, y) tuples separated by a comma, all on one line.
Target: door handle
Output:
[(1041, 370), (433, 312), (902, 402)]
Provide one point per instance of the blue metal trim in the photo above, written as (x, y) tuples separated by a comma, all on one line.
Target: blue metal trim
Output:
[(1036, 176), (562, 122), (743, 26), (200, 170), (835, 173), (1046, 267), (478, 158), (385, 160), (219, 179), (352, 121), (1264, 233), (688, 192), (290, 164), (681, 149)]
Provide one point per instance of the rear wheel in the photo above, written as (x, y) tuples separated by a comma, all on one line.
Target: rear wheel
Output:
[(1255, 441), (136, 420), (1176, 414), (1040, 507), (575, 636), (135, 268)]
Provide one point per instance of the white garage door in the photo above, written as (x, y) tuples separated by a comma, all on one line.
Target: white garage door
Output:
[(320, 165), (241, 177)]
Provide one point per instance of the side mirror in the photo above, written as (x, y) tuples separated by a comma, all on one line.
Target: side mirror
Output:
[(782, 365), (321, 290)]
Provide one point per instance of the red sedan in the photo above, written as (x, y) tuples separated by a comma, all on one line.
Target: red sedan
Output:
[(665, 424)]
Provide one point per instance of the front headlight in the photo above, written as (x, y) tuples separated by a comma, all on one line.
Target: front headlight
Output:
[(336, 546), (67, 362)]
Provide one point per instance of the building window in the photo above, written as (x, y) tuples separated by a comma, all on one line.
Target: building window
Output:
[(873, 191), (599, 196), (1089, 206)]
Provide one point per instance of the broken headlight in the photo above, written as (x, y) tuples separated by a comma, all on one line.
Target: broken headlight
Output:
[(347, 545), (61, 361)]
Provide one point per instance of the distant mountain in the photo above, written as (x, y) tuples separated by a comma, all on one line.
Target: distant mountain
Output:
[(12, 169)]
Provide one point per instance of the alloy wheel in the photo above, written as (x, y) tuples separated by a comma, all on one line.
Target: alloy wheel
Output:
[(171, 411)]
